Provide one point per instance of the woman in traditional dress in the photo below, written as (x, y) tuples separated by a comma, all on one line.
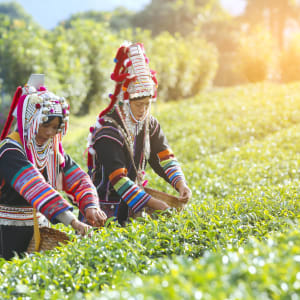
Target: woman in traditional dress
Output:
[(126, 136), (34, 167)]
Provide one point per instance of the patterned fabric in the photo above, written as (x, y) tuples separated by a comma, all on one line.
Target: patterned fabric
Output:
[(35, 106), (32, 174), (134, 197), (31, 185), (170, 166), (22, 185), (19, 216), (143, 85), (134, 79), (79, 187), (115, 175)]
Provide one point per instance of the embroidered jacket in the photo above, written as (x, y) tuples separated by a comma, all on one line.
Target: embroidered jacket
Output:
[(23, 185), (115, 176)]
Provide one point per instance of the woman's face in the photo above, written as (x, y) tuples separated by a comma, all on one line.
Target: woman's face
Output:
[(47, 131), (139, 108)]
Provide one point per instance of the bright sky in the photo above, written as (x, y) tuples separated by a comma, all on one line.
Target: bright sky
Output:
[(49, 13), (234, 6)]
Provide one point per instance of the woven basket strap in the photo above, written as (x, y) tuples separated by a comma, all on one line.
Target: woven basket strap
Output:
[(36, 231)]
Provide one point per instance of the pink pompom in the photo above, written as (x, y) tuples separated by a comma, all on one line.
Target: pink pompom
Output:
[(102, 121), (38, 105), (92, 129), (42, 88)]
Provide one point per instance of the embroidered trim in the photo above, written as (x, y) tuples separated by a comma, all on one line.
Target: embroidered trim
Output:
[(19, 216), (111, 138)]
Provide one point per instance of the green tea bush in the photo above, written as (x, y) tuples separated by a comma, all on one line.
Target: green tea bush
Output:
[(237, 238), (260, 270)]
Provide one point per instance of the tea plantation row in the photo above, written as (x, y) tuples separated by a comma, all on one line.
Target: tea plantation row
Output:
[(238, 238)]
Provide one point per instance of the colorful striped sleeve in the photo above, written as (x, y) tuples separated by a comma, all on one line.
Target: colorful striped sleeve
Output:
[(135, 197), (28, 182), (31, 185), (170, 166), (78, 185)]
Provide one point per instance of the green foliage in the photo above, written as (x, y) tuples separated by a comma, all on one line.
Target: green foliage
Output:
[(72, 66), (15, 11), (82, 55), (290, 60), (255, 55), (261, 270), (118, 19), (87, 47), (176, 16), (239, 235), (77, 59), (25, 50)]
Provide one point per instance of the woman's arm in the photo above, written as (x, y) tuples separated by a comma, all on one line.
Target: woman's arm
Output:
[(16, 170), (162, 159), (110, 151), (29, 183), (78, 185), (184, 191)]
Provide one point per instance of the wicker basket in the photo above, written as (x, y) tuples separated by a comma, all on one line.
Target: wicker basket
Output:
[(45, 238), (49, 239), (171, 200)]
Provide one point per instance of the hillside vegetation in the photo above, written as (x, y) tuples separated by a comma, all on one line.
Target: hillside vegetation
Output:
[(238, 238)]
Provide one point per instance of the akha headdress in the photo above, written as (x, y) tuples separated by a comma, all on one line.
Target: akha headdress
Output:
[(134, 79), (32, 105)]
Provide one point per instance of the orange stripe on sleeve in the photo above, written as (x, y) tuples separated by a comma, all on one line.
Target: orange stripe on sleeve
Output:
[(28, 183), (117, 172), (164, 153)]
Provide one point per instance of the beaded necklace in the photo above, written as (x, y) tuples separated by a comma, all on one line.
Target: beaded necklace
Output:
[(41, 154)]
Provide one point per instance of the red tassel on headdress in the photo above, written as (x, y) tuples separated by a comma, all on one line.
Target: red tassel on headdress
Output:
[(112, 102), (117, 77), (121, 54), (127, 82), (10, 116), (90, 161), (109, 107)]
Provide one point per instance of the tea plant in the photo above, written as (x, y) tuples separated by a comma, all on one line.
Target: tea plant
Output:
[(237, 238)]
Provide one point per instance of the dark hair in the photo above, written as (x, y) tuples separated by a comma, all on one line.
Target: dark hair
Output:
[(139, 98), (51, 118)]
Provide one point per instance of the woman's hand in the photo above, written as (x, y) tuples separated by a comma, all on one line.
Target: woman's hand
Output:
[(184, 192), (157, 204), (80, 227), (95, 216)]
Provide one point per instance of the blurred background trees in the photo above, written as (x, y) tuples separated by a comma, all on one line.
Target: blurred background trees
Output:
[(193, 45)]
